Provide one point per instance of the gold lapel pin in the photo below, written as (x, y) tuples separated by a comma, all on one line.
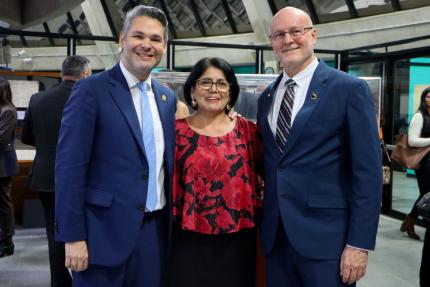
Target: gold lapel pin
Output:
[(164, 98), (314, 96)]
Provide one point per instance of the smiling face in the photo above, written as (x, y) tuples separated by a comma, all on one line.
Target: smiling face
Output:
[(143, 46), (294, 54), (211, 101)]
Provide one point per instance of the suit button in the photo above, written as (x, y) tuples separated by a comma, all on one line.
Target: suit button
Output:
[(141, 207), (144, 176)]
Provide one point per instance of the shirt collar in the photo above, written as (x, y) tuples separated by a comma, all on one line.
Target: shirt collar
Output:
[(301, 77), (132, 81)]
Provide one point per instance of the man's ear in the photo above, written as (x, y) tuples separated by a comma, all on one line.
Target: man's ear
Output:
[(121, 40)]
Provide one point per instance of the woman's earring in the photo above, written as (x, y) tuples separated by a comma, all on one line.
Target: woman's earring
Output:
[(193, 103), (228, 107)]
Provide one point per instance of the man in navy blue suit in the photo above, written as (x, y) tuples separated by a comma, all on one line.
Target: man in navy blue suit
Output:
[(322, 165), (114, 164)]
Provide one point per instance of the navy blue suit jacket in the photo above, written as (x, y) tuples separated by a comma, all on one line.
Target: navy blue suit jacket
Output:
[(326, 186), (101, 173)]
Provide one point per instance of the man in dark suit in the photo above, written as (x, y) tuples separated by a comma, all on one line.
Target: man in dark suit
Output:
[(322, 165), (40, 128), (114, 164)]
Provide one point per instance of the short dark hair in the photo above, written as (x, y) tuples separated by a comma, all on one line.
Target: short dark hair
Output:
[(74, 66), (423, 106), (201, 66), (148, 11), (5, 92)]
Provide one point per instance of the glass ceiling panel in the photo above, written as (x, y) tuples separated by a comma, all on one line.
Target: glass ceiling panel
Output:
[(239, 16), (58, 25), (81, 21), (295, 3), (183, 19), (331, 10), (372, 7), (213, 17)]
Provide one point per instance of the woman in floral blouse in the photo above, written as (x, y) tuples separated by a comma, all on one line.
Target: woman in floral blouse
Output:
[(215, 184)]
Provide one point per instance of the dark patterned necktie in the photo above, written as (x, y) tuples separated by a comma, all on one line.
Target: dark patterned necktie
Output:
[(283, 126)]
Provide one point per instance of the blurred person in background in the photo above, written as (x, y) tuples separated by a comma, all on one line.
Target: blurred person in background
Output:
[(8, 166), (419, 136)]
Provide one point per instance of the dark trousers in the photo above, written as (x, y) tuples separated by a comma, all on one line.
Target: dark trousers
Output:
[(145, 266), (6, 211), (423, 179), (425, 260), (60, 276), (287, 268)]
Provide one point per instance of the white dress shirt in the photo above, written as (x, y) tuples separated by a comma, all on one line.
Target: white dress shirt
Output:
[(132, 82), (302, 80)]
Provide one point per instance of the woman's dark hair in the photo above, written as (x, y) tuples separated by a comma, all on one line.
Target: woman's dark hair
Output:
[(423, 106), (5, 92), (198, 70)]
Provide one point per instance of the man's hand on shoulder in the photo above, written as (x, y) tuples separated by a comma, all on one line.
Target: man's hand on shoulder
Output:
[(232, 114), (353, 264), (76, 255)]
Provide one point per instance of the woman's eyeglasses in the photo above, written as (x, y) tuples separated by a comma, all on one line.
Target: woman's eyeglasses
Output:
[(206, 84)]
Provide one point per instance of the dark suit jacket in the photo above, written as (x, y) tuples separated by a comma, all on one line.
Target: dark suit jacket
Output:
[(40, 128), (327, 184), (101, 172), (8, 159)]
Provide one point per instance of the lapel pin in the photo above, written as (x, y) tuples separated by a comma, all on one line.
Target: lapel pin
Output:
[(314, 96), (269, 94), (163, 97)]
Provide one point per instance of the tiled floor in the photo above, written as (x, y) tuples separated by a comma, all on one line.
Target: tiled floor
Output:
[(405, 191), (29, 265), (394, 263)]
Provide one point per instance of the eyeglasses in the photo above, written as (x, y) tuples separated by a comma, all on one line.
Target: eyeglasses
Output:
[(294, 33), (206, 84)]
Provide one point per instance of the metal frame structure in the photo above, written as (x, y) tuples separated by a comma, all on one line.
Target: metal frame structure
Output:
[(229, 20)]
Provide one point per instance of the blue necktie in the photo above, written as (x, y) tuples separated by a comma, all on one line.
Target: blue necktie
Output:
[(149, 142), (283, 126)]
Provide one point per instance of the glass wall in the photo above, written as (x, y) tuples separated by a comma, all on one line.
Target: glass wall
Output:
[(411, 76), (403, 79)]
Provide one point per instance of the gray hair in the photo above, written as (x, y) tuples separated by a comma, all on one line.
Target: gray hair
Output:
[(148, 11), (74, 66)]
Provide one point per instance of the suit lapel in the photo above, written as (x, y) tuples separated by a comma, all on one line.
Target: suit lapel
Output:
[(314, 95), (267, 103), (161, 100), (120, 92)]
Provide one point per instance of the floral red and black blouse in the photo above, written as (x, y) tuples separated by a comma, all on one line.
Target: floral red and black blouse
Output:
[(215, 178)]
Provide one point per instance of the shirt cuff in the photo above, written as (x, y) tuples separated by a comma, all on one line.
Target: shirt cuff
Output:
[(362, 249)]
